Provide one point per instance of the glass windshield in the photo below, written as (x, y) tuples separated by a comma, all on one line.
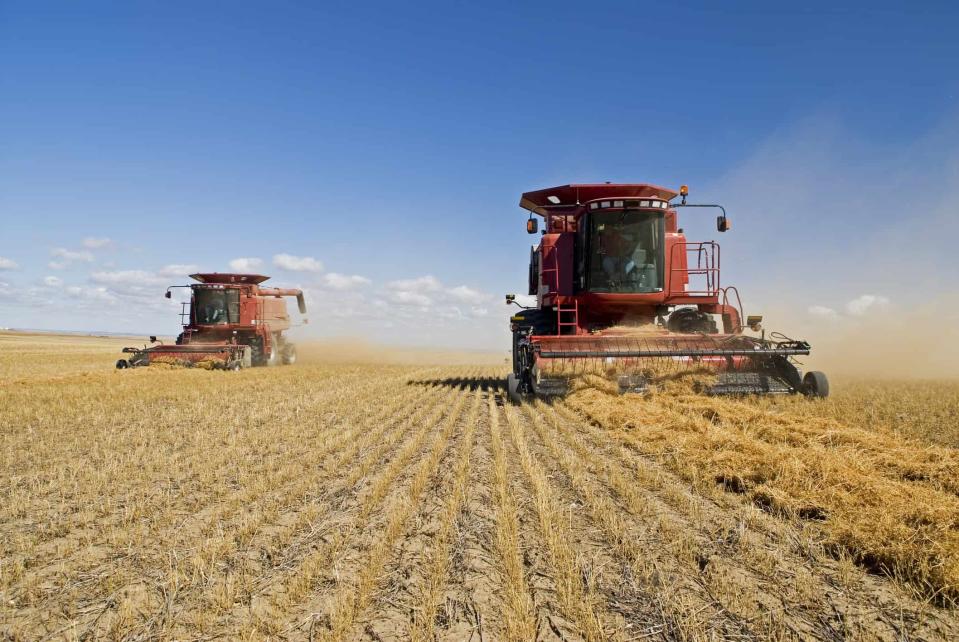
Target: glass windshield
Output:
[(625, 252), (214, 305)]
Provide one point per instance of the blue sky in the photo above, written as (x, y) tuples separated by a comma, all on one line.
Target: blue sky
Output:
[(389, 143)]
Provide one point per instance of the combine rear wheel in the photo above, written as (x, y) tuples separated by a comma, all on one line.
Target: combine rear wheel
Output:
[(815, 384)]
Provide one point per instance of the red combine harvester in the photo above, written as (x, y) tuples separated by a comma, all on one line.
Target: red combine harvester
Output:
[(229, 323), (621, 292)]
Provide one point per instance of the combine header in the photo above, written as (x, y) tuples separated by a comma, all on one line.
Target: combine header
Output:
[(229, 323), (621, 292)]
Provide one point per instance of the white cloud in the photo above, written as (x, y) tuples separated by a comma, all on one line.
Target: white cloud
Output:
[(52, 281), (860, 305), (177, 269), (94, 243), (71, 256), (126, 277), (8, 264), (29, 296), (246, 264), (467, 294), (345, 281), (428, 283), (93, 294), (297, 263), (56, 265), (427, 291), (404, 297), (823, 312)]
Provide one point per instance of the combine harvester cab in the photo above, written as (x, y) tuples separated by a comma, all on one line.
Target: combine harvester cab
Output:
[(621, 293), (229, 323)]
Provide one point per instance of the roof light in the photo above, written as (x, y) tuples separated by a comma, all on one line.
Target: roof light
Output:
[(553, 199), (684, 190), (593, 206), (604, 204), (617, 203), (644, 203)]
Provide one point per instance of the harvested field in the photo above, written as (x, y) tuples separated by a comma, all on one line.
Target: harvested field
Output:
[(339, 500)]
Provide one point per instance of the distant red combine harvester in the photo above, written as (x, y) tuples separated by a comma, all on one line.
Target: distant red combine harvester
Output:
[(229, 323)]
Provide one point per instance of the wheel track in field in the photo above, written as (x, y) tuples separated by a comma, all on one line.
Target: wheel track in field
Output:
[(265, 539), (574, 583), (223, 512), (471, 604), (752, 552), (658, 567), (407, 603), (360, 549), (302, 566), (254, 569), (518, 597)]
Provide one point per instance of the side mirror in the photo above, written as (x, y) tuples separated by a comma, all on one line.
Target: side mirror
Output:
[(168, 295), (510, 298), (532, 226), (153, 338), (723, 224)]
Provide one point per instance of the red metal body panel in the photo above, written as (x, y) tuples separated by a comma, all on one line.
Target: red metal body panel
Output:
[(575, 195), (556, 275), (691, 269), (227, 277)]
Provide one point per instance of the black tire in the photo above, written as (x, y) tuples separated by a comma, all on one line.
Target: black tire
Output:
[(691, 321), (512, 389), (123, 364), (815, 384), (262, 357)]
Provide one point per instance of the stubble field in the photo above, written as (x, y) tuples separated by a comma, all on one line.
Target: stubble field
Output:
[(342, 499)]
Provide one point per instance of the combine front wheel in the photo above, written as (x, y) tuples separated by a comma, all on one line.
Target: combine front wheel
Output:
[(262, 357), (289, 354), (512, 389), (815, 384)]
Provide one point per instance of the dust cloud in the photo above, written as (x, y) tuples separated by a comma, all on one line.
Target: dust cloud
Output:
[(360, 351), (848, 242), (921, 342)]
